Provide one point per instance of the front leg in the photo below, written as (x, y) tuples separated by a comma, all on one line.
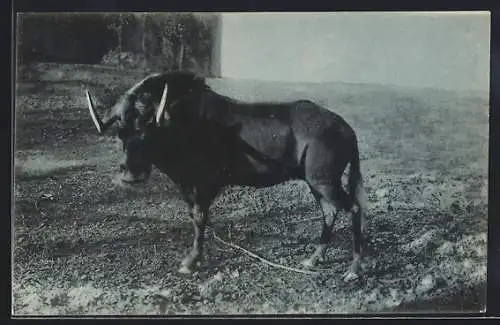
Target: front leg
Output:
[(198, 216)]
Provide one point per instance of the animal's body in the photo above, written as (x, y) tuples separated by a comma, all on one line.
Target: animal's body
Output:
[(205, 141)]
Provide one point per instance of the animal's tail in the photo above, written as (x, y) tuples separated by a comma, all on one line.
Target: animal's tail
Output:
[(355, 183)]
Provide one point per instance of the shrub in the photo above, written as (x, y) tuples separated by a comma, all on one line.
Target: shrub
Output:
[(125, 60)]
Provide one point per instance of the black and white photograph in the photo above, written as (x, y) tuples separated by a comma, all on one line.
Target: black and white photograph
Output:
[(250, 163)]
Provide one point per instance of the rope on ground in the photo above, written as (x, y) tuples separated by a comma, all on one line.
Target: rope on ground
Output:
[(263, 259)]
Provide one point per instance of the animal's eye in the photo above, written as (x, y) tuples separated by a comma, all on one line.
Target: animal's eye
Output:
[(138, 125)]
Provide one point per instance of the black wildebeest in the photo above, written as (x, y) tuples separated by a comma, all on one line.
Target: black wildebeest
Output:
[(205, 141)]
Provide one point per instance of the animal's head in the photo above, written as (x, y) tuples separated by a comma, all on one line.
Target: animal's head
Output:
[(154, 103)]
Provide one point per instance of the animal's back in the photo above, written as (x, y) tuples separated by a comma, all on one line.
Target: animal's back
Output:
[(310, 120), (309, 116)]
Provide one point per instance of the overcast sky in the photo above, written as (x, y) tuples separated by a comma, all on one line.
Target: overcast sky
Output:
[(443, 50)]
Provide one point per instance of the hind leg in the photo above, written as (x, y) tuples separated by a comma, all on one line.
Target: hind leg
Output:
[(323, 172), (329, 198), (353, 272)]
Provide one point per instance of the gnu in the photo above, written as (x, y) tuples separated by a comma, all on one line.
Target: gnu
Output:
[(205, 141)]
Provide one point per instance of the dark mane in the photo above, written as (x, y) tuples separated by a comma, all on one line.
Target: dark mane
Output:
[(187, 79)]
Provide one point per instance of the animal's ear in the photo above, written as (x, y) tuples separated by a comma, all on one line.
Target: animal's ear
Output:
[(106, 97)]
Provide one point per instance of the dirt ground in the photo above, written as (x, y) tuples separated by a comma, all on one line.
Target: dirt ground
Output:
[(84, 246)]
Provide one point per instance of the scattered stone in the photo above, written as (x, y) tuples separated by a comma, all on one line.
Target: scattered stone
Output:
[(372, 296), (47, 196), (382, 192), (424, 241), (165, 293), (425, 285), (446, 248), (218, 276), (409, 267), (218, 297)]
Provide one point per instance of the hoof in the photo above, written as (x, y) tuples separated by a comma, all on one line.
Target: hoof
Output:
[(308, 263), (185, 270), (350, 276), (192, 259)]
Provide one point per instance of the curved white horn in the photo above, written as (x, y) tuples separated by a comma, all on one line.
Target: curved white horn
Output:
[(95, 118), (161, 111), (101, 125)]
